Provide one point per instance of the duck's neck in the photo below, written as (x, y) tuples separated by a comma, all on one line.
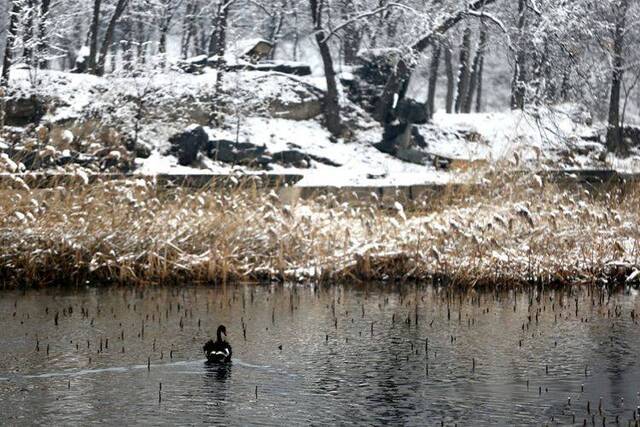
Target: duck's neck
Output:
[(219, 335)]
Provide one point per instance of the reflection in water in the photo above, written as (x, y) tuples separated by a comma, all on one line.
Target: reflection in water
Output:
[(349, 353), (216, 388)]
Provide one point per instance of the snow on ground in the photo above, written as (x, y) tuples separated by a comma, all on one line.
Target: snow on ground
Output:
[(360, 163), (543, 138), (557, 137), (504, 134)]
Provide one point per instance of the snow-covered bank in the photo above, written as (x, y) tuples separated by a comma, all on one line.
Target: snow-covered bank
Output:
[(127, 122)]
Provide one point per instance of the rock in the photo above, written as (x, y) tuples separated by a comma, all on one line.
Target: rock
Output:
[(396, 137), (292, 158), (194, 65), (138, 148), (631, 134), (186, 145), (413, 155), (232, 152), (197, 64), (301, 160), (293, 68), (412, 111), (284, 97), (255, 50), (264, 160), (24, 110)]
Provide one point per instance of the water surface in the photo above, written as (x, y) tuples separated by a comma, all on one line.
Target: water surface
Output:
[(414, 355)]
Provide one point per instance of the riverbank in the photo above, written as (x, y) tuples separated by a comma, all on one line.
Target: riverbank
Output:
[(509, 231)]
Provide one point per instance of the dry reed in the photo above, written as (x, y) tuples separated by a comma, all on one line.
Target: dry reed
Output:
[(503, 233)]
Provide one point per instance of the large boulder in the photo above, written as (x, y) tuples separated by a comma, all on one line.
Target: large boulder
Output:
[(631, 135), (22, 110), (235, 152), (411, 111), (283, 97), (186, 145)]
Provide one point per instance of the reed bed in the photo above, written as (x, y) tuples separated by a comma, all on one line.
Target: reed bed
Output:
[(506, 232)]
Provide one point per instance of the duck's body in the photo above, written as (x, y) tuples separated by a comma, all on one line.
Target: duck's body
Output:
[(218, 351)]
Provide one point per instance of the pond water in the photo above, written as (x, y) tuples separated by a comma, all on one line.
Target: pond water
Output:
[(329, 355)]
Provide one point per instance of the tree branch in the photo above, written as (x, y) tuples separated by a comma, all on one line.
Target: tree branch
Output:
[(366, 15)]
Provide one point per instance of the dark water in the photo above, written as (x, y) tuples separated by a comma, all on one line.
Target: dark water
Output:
[(532, 354)]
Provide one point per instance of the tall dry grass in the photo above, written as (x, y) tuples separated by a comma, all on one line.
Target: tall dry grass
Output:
[(505, 232)]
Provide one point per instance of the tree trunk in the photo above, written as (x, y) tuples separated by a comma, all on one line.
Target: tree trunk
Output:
[(11, 35), (217, 47), (93, 47), (296, 33), (352, 36), (480, 85), (433, 80), (108, 37), (165, 26), (615, 141), (518, 85), (564, 86), (400, 79), (218, 39), (331, 107), (126, 45), (188, 27), (476, 75), (464, 74), (29, 40), (42, 34), (448, 61)]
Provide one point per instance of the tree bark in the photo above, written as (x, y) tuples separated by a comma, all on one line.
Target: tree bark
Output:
[(518, 85), (464, 74), (218, 38), (108, 37), (188, 26), (217, 47), (480, 86), (448, 60), (352, 36), (476, 72), (93, 46), (28, 38), (43, 43), (615, 141), (11, 35), (433, 80), (331, 107), (165, 26)]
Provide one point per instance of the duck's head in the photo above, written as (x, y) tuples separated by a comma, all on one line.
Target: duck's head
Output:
[(221, 331)]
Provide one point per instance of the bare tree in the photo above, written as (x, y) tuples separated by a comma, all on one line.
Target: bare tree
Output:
[(11, 36), (108, 37), (464, 72), (475, 80), (615, 140), (93, 44), (331, 106), (518, 85)]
